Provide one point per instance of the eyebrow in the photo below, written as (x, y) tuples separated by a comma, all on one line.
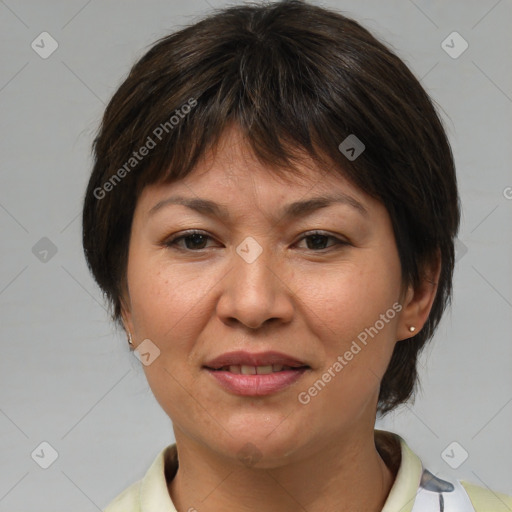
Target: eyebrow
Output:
[(293, 210)]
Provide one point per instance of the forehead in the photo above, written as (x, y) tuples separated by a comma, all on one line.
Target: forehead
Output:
[(230, 172)]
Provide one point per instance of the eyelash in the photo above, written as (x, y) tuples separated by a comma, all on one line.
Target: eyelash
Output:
[(172, 242)]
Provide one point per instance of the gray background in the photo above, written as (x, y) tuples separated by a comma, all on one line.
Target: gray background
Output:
[(68, 378)]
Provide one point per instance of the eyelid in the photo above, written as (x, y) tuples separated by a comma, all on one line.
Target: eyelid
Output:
[(339, 238), (183, 234), (170, 242)]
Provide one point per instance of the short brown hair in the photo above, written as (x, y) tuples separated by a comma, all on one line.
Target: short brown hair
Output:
[(294, 78)]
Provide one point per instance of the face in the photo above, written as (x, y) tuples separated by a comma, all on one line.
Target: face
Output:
[(321, 285)]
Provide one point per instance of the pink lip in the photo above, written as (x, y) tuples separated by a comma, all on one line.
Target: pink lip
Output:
[(256, 385), (241, 357)]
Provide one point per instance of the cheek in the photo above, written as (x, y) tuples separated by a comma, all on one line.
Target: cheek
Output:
[(353, 311), (166, 295), (344, 300), (168, 307)]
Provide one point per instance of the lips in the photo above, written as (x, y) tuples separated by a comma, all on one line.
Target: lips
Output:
[(256, 374), (248, 363), (256, 370)]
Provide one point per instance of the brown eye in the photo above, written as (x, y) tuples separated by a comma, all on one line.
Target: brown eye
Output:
[(318, 240), (194, 240)]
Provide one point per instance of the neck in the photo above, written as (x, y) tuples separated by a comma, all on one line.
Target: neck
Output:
[(342, 475)]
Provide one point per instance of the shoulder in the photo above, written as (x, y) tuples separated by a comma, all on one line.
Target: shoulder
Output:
[(127, 501), (416, 489), (487, 500), (449, 494), (151, 492)]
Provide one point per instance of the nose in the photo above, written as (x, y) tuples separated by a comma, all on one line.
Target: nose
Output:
[(256, 292)]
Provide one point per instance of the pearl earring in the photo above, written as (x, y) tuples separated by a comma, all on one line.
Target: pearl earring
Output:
[(412, 328), (130, 338)]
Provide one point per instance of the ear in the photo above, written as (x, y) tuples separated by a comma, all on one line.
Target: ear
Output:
[(418, 302)]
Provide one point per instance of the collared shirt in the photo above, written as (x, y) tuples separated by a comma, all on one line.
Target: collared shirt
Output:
[(415, 489)]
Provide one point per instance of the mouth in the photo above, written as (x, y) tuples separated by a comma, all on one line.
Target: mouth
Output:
[(256, 370), (251, 363), (251, 374)]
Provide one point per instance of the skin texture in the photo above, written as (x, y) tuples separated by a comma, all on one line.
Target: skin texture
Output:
[(309, 301)]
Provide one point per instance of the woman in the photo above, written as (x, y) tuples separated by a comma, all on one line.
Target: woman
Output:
[(271, 215)]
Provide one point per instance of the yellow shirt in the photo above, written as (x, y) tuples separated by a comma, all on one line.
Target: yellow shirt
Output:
[(415, 489)]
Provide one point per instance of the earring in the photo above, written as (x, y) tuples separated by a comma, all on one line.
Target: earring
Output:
[(412, 328), (130, 338)]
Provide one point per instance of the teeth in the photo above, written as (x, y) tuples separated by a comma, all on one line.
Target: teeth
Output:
[(248, 370), (255, 370), (263, 370)]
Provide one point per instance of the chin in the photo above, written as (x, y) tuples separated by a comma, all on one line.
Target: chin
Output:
[(263, 448)]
